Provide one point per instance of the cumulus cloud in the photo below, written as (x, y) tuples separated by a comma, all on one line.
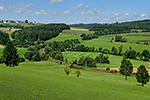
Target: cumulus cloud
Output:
[(2, 8), (20, 7), (55, 1), (91, 12), (28, 12), (41, 12), (80, 6)]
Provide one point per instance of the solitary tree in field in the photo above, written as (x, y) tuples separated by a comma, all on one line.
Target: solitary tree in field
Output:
[(10, 55), (126, 67), (146, 55), (142, 75)]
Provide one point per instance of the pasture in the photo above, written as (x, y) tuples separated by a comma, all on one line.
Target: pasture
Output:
[(47, 80), (115, 61)]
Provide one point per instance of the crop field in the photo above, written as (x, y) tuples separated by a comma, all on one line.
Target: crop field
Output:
[(47, 80), (115, 61)]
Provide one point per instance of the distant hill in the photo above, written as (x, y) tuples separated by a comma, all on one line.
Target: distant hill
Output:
[(140, 24)]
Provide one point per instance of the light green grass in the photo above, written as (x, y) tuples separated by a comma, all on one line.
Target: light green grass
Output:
[(115, 61), (106, 44), (69, 34), (47, 81)]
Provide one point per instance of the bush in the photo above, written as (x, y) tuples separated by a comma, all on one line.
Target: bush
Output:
[(60, 62), (44, 57), (1, 60), (75, 62), (78, 73), (107, 68), (67, 70), (112, 71), (115, 71), (71, 66), (21, 59)]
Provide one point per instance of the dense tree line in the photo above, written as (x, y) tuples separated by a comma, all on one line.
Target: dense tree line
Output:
[(139, 24), (41, 32), (12, 25), (4, 38)]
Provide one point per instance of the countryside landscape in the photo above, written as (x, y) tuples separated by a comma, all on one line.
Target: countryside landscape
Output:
[(70, 60)]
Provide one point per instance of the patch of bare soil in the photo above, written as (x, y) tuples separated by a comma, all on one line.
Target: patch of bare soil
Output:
[(134, 69), (79, 29), (12, 30)]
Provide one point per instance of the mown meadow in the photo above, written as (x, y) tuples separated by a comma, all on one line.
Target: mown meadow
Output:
[(47, 80)]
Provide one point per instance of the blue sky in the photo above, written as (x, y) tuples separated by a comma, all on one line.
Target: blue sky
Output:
[(75, 11)]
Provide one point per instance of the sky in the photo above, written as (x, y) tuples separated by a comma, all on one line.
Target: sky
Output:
[(75, 11)]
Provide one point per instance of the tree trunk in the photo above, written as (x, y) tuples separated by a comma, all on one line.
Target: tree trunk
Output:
[(126, 79)]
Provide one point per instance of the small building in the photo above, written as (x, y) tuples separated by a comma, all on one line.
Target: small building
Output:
[(34, 22)]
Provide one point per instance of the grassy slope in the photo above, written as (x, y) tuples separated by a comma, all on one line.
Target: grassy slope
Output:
[(115, 61), (105, 43), (47, 81), (69, 34)]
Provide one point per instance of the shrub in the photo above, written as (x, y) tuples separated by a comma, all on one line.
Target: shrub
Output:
[(78, 73), (60, 62), (71, 66), (21, 59), (107, 68), (1, 60), (67, 70), (112, 71), (115, 71)]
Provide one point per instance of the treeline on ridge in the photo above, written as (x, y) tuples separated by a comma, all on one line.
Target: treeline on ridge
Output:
[(40, 32)]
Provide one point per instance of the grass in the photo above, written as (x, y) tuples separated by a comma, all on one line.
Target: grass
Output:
[(115, 61), (106, 44), (48, 81), (69, 34)]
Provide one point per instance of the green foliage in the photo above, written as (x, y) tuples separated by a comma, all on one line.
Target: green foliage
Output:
[(36, 57), (102, 59), (71, 66), (67, 70), (142, 75), (126, 67), (120, 50), (118, 38), (146, 55), (1, 60), (21, 59), (48, 50), (44, 57), (130, 54), (10, 55), (4, 38), (87, 62), (107, 68), (40, 32), (57, 55), (78, 73)]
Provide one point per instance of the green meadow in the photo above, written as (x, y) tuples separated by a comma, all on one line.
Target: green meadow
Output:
[(47, 80), (115, 61)]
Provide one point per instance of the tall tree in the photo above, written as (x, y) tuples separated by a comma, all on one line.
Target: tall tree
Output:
[(10, 55), (142, 75), (146, 55), (120, 50), (126, 67)]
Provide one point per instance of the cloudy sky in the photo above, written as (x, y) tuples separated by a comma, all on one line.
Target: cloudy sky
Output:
[(75, 11)]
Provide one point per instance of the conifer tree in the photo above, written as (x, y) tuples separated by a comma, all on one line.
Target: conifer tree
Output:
[(126, 67), (10, 55), (142, 75)]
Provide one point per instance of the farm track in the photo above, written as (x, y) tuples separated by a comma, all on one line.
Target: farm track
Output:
[(58, 61), (1, 47)]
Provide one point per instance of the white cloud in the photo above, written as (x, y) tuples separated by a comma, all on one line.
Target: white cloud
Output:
[(94, 12), (80, 6), (127, 14), (20, 7), (135, 13), (66, 12), (41, 12), (114, 15), (82, 12), (28, 12), (2, 8), (55, 1)]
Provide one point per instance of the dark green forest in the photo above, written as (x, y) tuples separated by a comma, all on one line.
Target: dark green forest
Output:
[(40, 32)]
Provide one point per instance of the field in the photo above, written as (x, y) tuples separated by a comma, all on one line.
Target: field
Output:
[(48, 81), (115, 61)]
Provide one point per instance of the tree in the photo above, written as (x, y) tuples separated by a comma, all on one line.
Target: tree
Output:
[(126, 67), (26, 21), (142, 75), (10, 55), (78, 73), (146, 55), (67, 70), (120, 50)]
